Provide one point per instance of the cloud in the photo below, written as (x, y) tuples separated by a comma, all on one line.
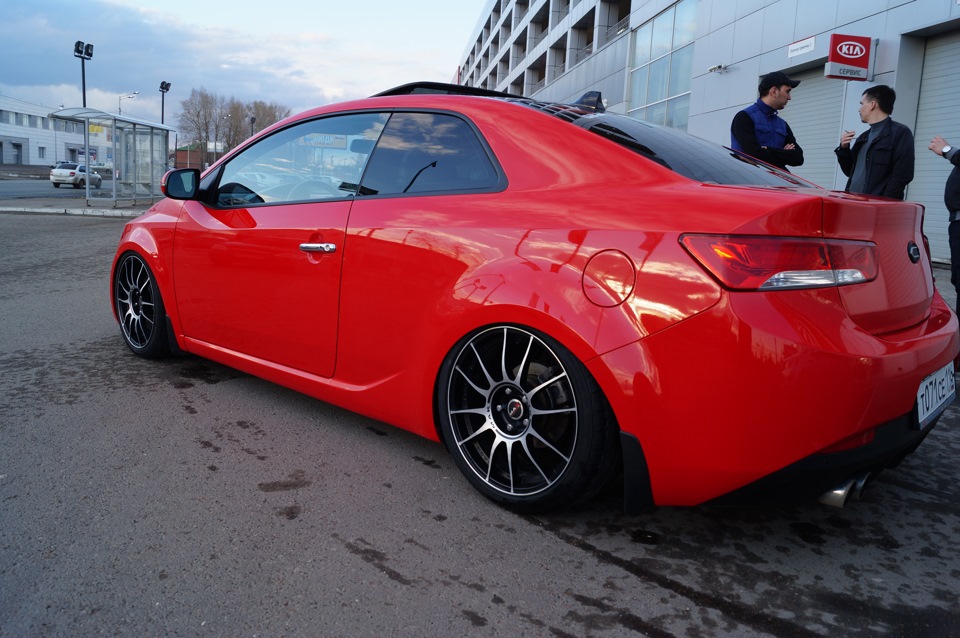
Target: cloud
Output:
[(301, 55)]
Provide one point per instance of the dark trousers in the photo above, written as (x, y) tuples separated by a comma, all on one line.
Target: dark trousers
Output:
[(954, 232)]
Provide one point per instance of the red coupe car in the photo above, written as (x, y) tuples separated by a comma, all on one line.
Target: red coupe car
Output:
[(559, 294)]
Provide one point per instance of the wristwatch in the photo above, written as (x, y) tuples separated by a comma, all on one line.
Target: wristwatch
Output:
[(946, 149)]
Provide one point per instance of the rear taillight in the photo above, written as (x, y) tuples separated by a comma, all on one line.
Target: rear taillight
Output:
[(779, 263)]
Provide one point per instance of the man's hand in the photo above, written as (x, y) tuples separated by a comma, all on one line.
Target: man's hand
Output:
[(937, 144), (846, 138), (789, 147)]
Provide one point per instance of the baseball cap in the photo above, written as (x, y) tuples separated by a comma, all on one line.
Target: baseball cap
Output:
[(777, 78)]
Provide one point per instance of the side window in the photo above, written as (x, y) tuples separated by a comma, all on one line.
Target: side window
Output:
[(428, 153), (312, 161)]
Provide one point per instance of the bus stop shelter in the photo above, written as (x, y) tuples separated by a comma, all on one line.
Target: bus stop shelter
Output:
[(137, 153)]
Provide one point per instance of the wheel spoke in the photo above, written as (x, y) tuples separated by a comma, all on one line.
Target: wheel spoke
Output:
[(543, 385), (526, 450), (480, 411), (483, 368), (481, 391), (509, 451), (523, 364), (549, 445), (493, 451), (538, 412), (486, 427)]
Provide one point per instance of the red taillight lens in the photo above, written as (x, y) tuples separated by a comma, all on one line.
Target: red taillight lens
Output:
[(778, 263)]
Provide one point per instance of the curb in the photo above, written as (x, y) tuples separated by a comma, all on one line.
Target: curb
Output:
[(88, 212)]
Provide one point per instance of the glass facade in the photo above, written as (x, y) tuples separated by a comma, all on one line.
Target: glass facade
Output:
[(662, 67)]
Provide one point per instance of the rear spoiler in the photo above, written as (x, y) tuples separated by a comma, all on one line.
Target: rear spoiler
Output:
[(591, 100), (440, 88)]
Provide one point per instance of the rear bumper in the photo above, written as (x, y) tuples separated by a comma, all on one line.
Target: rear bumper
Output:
[(761, 384), (817, 474)]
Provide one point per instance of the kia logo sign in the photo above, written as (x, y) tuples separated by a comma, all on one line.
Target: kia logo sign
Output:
[(851, 49), (849, 57)]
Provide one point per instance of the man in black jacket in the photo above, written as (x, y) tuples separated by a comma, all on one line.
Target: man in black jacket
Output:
[(881, 160), (951, 197)]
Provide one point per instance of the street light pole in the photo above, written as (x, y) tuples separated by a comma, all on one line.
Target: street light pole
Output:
[(164, 87), (125, 97), (223, 149), (84, 51)]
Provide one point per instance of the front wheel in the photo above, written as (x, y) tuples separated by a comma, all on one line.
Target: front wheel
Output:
[(139, 307), (524, 420)]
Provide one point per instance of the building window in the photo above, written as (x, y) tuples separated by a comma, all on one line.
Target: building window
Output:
[(662, 67), (42, 152)]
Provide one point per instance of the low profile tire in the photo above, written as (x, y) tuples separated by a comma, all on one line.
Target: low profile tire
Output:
[(524, 420), (140, 308)]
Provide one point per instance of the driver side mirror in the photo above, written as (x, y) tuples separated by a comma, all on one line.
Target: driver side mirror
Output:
[(181, 184)]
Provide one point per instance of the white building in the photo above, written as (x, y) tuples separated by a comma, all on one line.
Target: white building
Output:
[(29, 136), (693, 64)]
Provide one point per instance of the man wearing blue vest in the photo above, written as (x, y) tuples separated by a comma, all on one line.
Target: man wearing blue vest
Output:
[(760, 132)]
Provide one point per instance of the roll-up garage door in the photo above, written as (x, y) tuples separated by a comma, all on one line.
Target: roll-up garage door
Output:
[(937, 114), (814, 116)]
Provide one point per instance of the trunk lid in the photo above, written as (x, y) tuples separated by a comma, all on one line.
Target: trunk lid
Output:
[(901, 294)]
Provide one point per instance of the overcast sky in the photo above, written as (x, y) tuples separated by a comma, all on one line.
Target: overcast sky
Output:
[(300, 53)]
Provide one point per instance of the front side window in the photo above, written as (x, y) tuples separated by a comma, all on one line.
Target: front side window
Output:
[(428, 153), (316, 160)]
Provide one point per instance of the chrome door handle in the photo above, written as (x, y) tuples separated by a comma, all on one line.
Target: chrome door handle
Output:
[(318, 248)]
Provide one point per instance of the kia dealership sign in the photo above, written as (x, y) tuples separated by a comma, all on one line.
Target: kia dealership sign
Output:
[(849, 57)]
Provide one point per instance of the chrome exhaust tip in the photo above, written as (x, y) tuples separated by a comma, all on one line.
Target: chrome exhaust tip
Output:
[(859, 484), (850, 488), (838, 496)]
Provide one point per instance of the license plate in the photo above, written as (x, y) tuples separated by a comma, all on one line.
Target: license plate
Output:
[(936, 392)]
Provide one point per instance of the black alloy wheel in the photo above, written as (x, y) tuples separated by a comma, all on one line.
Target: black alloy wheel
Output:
[(139, 307), (524, 420)]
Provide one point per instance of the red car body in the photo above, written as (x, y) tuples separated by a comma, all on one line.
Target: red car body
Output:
[(712, 387)]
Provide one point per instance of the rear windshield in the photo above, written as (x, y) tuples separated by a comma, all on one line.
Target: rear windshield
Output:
[(681, 152)]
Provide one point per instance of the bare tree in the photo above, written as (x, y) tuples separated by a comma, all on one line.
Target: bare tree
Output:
[(235, 130), (216, 124), (265, 114), (196, 117)]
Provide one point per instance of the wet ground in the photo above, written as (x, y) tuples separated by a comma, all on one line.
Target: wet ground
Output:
[(180, 497)]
